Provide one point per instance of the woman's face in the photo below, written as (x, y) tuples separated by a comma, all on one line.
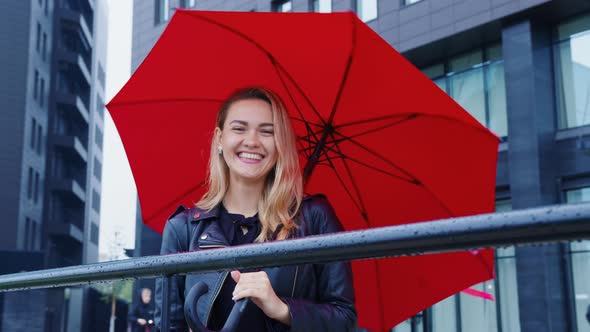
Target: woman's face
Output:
[(146, 295), (247, 140)]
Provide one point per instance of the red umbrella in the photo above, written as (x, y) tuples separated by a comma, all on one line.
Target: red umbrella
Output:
[(379, 138)]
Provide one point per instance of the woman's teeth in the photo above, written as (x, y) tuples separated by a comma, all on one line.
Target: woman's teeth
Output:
[(250, 156)]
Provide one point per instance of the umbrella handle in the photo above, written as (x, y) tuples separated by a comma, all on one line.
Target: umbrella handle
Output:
[(190, 310)]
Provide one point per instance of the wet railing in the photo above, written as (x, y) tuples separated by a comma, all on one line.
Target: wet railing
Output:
[(530, 226)]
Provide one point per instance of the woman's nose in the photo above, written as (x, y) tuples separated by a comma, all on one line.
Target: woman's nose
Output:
[(252, 139)]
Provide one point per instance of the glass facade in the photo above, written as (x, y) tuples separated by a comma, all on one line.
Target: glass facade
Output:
[(475, 80), (444, 315), (478, 313), (572, 72), (506, 283), (580, 263)]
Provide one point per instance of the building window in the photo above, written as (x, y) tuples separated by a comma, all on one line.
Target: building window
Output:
[(39, 139), (38, 37), (42, 92), (444, 315), (30, 184), (162, 11), (94, 233), (413, 324), (476, 81), (98, 137), (187, 3), (478, 314), (282, 6), (572, 72), (33, 133), (580, 258), (366, 10), (409, 2), (100, 107), (96, 201), (506, 283), (27, 233), (97, 168), (36, 189), (44, 46), (321, 6), (101, 75), (36, 85), (34, 235)]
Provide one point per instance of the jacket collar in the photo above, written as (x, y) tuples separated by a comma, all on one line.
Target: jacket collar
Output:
[(198, 214), (212, 235)]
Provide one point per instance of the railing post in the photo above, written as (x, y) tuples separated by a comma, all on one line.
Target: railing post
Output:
[(164, 320)]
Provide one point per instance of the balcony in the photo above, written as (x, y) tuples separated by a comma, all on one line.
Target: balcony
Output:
[(72, 39), (73, 103), (69, 190), (72, 144), (81, 12), (67, 232), (78, 61), (71, 80)]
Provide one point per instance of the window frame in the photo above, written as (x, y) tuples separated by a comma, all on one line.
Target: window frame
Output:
[(561, 110), (487, 59), (162, 11), (358, 3), (312, 6), (277, 4)]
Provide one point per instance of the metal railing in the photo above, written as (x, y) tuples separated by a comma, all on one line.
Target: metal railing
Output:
[(521, 227)]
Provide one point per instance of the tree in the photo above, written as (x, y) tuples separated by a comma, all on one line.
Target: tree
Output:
[(122, 289)]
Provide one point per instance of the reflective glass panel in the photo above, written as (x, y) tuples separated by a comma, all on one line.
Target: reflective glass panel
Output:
[(444, 317), (572, 54), (478, 313), (366, 10)]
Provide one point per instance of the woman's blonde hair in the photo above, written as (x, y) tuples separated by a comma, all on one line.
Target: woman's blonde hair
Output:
[(283, 190)]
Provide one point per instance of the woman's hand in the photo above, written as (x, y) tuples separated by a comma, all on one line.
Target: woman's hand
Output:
[(256, 286)]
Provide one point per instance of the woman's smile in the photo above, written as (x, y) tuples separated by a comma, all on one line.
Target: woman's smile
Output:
[(250, 158)]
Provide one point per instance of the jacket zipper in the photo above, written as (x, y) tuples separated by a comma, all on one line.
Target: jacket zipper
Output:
[(294, 281), (215, 297)]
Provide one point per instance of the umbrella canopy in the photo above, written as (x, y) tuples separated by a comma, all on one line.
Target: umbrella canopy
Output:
[(375, 135)]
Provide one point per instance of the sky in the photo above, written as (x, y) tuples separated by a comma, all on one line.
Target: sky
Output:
[(118, 199)]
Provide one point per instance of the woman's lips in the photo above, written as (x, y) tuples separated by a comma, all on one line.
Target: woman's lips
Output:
[(250, 158)]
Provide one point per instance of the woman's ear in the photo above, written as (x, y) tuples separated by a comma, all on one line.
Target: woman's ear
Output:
[(217, 135)]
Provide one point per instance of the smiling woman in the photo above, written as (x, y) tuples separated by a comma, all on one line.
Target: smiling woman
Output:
[(255, 194), (247, 138)]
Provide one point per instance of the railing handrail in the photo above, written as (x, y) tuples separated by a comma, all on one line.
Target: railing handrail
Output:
[(536, 225)]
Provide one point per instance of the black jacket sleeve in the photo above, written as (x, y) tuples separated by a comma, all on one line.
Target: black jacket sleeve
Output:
[(174, 240), (132, 315), (334, 308)]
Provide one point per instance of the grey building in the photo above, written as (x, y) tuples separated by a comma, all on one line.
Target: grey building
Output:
[(522, 68), (51, 95)]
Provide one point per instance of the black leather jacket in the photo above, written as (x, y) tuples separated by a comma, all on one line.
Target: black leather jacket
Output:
[(320, 296)]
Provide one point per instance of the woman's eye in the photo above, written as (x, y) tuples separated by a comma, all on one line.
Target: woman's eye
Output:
[(240, 129), (268, 132)]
